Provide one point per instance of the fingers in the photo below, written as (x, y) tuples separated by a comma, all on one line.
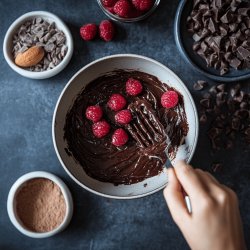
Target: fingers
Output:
[(189, 180), (174, 198)]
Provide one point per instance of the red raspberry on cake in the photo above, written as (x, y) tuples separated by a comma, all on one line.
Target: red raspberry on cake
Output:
[(106, 30), (100, 129), (133, 87), (116, 102), (94, 113), (109, 3), (169, 99), (88, 31), (123, 117), (143, 5), (120, 137), (123, 8)]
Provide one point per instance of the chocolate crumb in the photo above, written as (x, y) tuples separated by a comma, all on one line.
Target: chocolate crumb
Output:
[(217, 167), (199, 85)]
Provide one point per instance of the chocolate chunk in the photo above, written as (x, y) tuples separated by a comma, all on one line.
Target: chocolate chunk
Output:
[(245, 53), (206, 96), (236, 123), (235, 63), (216, 167), (205, 103), (244, 11), (199, 85), (221, 87), (211, 25), (203, 118), (243, 105), (213, 90)]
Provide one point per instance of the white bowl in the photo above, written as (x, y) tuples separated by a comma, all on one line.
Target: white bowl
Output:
[(74, 87), (11, 204), (8, 46)]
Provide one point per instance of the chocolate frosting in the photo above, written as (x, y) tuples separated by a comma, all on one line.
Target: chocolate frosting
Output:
[(143, 156)]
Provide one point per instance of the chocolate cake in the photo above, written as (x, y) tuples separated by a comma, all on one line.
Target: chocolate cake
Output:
[(143, 155)]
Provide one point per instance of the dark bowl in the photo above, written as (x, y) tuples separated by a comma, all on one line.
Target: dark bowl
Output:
[(184, 42)]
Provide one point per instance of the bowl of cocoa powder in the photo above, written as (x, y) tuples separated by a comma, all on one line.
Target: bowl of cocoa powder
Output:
[(39, 204)]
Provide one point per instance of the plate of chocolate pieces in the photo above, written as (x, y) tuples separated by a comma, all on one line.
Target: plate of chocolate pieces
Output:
[(213, 36)]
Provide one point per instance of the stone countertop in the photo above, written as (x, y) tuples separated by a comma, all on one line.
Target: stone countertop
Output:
[(25, 136)]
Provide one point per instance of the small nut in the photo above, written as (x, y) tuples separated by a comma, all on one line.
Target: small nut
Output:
[(30, 57)]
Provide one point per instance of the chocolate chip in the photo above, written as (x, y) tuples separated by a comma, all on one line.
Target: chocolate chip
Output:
[(221, 87), (206, 96), (199, 85), (243, 105), (213, 90), (203, 118), (236, 123), (216, 167), (205, 103)]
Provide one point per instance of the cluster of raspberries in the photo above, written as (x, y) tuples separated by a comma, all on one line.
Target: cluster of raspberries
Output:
[(128, 8), (117, 103), (106, 30)]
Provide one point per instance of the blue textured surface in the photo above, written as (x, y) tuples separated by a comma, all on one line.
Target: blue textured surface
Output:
[(26, 145)]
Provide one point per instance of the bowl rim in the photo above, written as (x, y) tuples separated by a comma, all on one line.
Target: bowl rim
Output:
[(18, 184), (128, 19), (59, 100), (46, 73), (178, 41)]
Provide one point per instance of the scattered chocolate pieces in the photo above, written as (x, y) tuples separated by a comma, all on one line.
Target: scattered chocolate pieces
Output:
[(221, 33), (39, 32), (227, 110)]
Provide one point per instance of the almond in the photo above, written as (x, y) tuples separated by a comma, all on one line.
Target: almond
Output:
[(30, 57)]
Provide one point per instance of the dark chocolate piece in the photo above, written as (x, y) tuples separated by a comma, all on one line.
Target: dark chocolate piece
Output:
[(199, 85), (221, 31)]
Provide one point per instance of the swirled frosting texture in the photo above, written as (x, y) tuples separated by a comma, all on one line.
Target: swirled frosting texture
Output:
[(143, 156)]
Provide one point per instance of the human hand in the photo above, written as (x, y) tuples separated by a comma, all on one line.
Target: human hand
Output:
[(215, 222)]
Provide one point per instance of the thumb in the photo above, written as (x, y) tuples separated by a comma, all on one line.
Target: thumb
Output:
[(174, 197)]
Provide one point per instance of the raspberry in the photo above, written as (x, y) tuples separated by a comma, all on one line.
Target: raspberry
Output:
[(143, 5), (123, 116), (169, 99), (94, 113), (133, 87), (120, 137), (117, 102), (109, 3), (123, 8), (100, 129), (110, 9), (88, 31), (106, 30)]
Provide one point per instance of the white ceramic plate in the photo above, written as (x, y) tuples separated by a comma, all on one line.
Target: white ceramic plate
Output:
[(74, 87)]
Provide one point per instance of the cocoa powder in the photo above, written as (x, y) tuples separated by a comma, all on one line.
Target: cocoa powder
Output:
[(40, 205)]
